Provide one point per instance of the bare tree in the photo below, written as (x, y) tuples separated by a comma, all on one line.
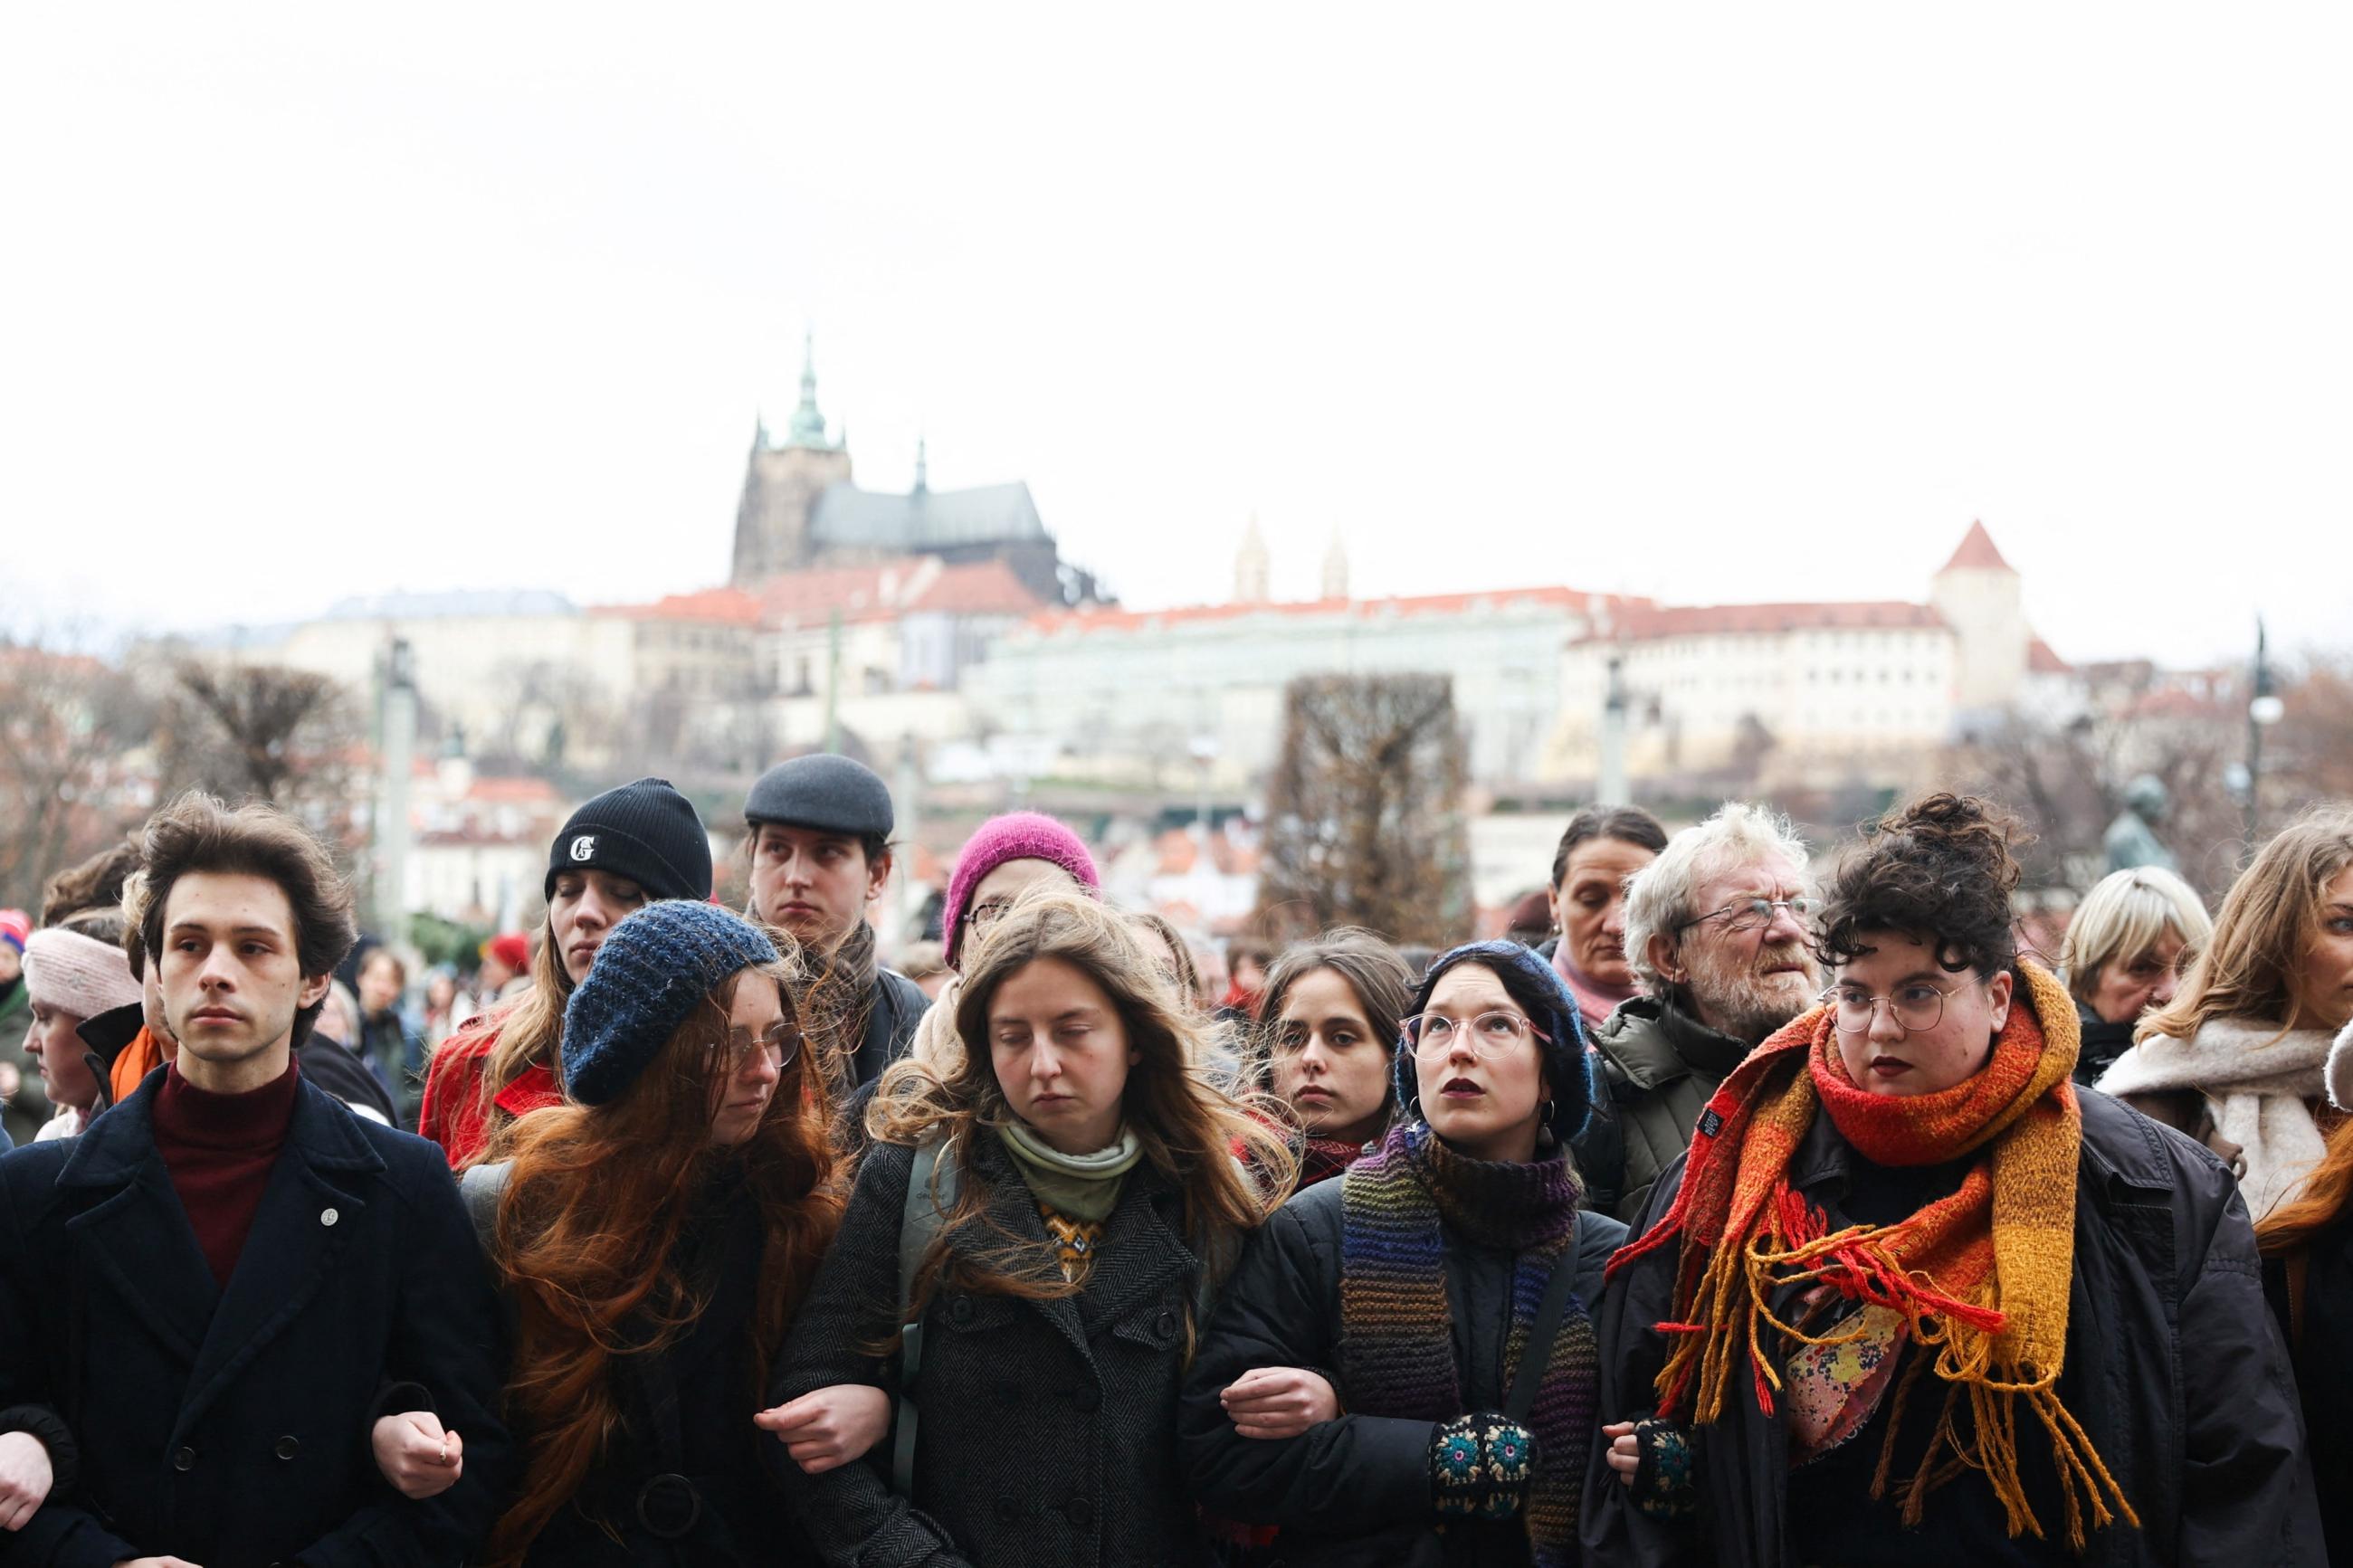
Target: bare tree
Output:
[(263, 732), (68, 725), (1364, 823)]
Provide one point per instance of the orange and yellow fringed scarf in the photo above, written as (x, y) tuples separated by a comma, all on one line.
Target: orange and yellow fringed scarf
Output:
[(1980, 1278)]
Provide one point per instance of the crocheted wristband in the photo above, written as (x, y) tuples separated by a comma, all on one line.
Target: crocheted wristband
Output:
[(1480, 1466), (1666, 1482), (40, 1422)]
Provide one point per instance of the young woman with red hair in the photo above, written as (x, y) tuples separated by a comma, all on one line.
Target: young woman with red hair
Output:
[(653, 1236)]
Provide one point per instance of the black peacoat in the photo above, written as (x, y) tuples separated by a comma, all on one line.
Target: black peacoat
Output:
[(231, 1427), (1048, 1432)]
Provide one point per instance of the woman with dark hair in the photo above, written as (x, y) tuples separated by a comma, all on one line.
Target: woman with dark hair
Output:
[(654, 1237), (1043, 1217), (623, 849), (1404, 1368), (1914, 1298), (2307, 1247), (1602, 848), (1332, 1009)]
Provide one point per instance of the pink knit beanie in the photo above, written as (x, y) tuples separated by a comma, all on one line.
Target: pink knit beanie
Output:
[(1017, 836), (77, 974)]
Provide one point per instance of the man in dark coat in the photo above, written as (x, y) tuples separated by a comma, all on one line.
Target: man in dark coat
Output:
[(820, 842), (206, 1298)]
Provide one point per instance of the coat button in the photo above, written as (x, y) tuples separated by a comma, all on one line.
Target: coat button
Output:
[(1087, 1400), (1165, 1325), (960, 1310), (184, 1459), (287, 1447), (1007, 1510), (328, 1217), (1078, 1512)]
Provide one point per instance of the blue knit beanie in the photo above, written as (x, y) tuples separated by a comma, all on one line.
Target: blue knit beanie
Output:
[(1568, 1064), (652, 970)]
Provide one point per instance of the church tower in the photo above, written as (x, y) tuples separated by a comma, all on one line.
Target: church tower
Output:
[(782, 482), (1253, 569), (1977, 593), (1335, 568)]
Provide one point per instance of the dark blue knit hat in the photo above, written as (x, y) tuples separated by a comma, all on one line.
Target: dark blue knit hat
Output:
[(1568, 1064), (654, 970)]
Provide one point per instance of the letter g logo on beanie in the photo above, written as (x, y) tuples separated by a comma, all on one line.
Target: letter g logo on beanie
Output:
[(584, 847), (646, 832)]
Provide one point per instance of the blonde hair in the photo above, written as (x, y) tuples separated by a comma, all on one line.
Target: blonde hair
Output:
[(1233, 1168), (2125, 916), (2268, 921)]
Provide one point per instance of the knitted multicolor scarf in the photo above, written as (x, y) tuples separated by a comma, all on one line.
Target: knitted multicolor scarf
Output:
[(1399, 1205), (1981, 1277)]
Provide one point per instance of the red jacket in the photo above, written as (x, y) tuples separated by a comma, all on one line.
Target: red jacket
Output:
[(452, 1115)]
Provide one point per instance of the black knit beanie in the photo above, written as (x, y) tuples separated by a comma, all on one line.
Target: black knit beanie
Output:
[(645, 831)]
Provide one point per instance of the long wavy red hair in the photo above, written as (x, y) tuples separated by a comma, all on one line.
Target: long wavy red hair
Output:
[(595, 1200)]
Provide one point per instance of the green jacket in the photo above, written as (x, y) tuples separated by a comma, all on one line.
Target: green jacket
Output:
[(29, 1107), (1661, 1064)]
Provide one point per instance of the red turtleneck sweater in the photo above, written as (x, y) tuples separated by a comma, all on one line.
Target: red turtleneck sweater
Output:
[(219, 1149)]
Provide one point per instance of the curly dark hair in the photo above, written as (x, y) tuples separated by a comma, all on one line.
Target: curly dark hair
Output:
[(1940, 871)]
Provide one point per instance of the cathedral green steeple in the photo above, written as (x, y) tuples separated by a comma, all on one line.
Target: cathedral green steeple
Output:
[(807, 428)]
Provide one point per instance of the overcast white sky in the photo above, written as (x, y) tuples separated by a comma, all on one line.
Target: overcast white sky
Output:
[(1756, 302)]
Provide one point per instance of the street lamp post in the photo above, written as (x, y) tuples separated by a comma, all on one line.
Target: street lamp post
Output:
[(2263, 709)]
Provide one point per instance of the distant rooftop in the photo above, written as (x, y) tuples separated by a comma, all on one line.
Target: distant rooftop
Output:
[(1114, 619), (1652, 623), (468, 601), (1977, 553), (926, 519)]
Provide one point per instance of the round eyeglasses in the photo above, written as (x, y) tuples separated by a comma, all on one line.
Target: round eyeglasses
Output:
[(1915, 1007), (1490, 1034)]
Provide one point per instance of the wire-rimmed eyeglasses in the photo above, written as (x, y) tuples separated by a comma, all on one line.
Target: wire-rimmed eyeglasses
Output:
[(1747, 914), (1915, 1007), (1492, 1034)]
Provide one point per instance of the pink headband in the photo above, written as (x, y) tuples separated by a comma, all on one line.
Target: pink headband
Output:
[(77, 974)]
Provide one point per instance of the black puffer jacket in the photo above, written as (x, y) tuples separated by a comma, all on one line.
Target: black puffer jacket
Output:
[(1659, 1065), (1048, 1437), (1357, 1489), (2173, 1368)]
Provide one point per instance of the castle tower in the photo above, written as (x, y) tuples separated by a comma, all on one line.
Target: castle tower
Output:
[(1251, 567), (1977, 593), (782, 483), (1335, 568)]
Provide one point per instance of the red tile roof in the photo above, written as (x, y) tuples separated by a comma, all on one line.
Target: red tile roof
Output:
[(897, 586), (2041, 659), (1977, 553), (1092, 620), (729, 606), (1651, 623)]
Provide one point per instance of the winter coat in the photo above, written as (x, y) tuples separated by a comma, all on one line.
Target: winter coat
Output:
[(1048, 1437), (1355, 1489), (231, 1427), (1661, 1064), (2173, 1368), (2318, 1327), (893, 1011), (682, 1481), (450, 1112), (29, 1106), (2102, 1043), (394, 1054)]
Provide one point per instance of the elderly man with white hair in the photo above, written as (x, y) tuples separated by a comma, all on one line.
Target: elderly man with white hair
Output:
[(1718, 931)]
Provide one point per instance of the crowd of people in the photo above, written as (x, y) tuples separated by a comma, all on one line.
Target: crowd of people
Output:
[(1756, 1211)]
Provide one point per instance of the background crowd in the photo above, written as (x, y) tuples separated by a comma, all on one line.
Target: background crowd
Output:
[(1752, 1209)]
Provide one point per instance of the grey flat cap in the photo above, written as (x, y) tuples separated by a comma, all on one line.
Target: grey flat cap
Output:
[(830, 792)]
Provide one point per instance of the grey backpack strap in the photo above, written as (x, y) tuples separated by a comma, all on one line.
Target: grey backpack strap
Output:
[(931, 1193), (482, 1187)]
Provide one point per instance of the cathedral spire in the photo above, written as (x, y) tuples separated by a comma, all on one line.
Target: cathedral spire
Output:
[(923, 466), (807, 428)]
